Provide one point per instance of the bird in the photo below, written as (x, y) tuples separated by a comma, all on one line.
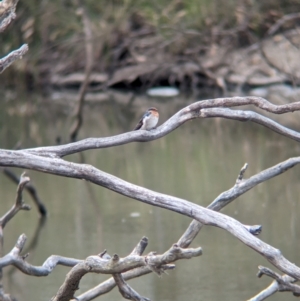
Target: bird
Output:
[(148, 121)]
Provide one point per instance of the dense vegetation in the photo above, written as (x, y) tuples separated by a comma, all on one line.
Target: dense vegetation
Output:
[(54, 32)]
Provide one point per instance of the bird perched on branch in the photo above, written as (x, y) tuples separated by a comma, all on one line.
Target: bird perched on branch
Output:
[(148, 121)]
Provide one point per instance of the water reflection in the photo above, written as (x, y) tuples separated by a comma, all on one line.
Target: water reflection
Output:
[(196, 162)]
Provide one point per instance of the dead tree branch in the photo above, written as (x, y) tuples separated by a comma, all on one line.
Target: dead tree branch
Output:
[(140, 247), (280, 284), (251, 116), (193, 111), (110, 283), (48, 159), (19, 205), (126, 291), (220, 202), (61, 167), (12, 56), (31, 190), (117, 265), (14, 258), (89, 57), (275, 27), (7, 13), (237, 190)]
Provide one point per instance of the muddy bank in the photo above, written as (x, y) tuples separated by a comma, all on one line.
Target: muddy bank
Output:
[(274, 60), (232, 47)]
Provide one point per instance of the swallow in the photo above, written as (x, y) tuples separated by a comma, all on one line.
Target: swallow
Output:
[(148, 121)]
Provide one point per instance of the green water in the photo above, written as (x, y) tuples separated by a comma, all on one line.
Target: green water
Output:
[(196, 162)]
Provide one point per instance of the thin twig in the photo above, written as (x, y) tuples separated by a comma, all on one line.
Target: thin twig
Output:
[(280, 284), (31, 190), (12, 56), (274, 28), (15, 258), (241, 174), (19, 205), (89, 58), (126, 291)]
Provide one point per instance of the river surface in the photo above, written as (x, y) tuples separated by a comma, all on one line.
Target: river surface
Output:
[(196, 162)]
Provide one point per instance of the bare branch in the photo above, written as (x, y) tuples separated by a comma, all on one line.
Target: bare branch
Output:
[(30, 188), (285, 282), (241, 174), (14, 258), (89, 57), (19, 204), (195, 110), (61, 167), (96, 264), (272, 30), (12, 56), (47, 159), (7, 12), (140, 247), (126, 291), (251, 116), (264, 294), (109, 284), (280, 284), (237, 190)]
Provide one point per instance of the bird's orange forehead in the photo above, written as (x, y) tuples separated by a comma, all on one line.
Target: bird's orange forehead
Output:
[(154, 111)]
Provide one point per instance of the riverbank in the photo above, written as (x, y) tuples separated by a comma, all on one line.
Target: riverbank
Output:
[(139, 44)]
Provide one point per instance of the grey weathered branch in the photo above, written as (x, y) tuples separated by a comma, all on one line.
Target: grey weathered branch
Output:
[(240, 187), (251, 116), (26, 159), (47, 159), (126, 291), (208, 217), (195, 110), (115, 264), (280, 284), (31, 190), (140, 247), (12, 56), (184, 241), (14, 258), (19, 204), (109, 284), (7, 12)]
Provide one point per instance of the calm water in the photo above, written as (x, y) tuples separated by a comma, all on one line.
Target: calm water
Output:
[(196, 162)]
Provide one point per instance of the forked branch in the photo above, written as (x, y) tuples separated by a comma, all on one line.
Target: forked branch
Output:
[(116, 265), (48, 159), (15, 258), (196, 110), (19, 203), (280, 284)]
